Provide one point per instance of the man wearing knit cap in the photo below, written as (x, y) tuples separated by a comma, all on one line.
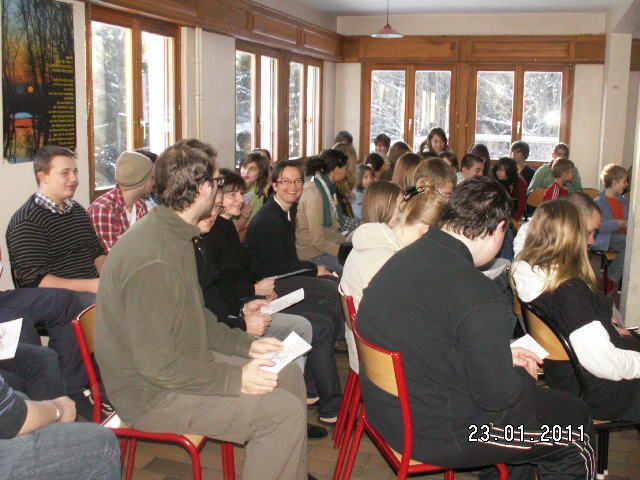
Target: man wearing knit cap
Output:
[(114, 212)]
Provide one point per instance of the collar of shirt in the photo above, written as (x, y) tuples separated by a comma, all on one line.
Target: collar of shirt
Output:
[(275, 199), (45, 202)]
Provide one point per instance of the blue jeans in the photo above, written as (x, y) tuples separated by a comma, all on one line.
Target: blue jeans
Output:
[(329, 261), (33, 371), (614, 270), (61, 451)]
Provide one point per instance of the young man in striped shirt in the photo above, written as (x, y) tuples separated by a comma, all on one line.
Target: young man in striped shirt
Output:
[(50, 239)]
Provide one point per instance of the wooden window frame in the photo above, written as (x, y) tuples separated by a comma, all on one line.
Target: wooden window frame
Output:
[(137, 24), (306, 62), (519, 70), (409, 98)]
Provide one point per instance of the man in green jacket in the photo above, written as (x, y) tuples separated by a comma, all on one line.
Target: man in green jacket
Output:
[(167, 364), (543, 176)]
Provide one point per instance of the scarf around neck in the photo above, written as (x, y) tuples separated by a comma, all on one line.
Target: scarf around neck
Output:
[(328, 190)]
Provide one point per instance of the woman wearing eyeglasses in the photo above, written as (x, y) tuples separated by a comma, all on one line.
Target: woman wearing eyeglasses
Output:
[(318, 222)]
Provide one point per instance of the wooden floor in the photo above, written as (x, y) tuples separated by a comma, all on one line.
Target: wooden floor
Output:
[(165, 462)]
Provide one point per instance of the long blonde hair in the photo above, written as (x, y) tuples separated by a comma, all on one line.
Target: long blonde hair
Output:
[(557, 244)]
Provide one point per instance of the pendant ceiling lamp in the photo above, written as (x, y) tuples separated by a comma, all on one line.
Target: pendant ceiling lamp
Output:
[(387, 31)]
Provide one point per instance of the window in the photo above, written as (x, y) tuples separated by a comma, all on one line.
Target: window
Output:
[(521, 103), (278, 102), (134, 103), (304, 100), (256, 101), (387, 104), (407, 101), (296, 82)]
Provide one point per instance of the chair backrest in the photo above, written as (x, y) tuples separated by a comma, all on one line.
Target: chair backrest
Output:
[(384, 369), (348, 308), (592, 192), (535, 197), (83, 330), (544, 330)]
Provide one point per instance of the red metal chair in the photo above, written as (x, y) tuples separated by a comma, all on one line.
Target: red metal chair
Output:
[(349, 310), (384, 369), (193, 444)]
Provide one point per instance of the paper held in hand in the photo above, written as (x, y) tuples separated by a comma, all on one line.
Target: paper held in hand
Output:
[(294, 346), (9, 336), (527, 342), (281, 303)]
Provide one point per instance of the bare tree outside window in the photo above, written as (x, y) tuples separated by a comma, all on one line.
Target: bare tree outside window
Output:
[(494, 111), (541, 113), (387, 105), (433, 94)]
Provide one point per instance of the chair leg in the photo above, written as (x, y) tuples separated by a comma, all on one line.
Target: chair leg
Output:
[(348, 430), (355, 445), (449, 475), (338, 431), (503, 471), (196, 466), (131, 458), (228, 466), (124, 446), (603, 452)]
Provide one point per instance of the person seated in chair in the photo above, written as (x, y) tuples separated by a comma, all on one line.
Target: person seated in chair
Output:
[(39, 441), (50, 239), (553, 272), (222, 255), (461, 374), (115, 211), (168, 365)]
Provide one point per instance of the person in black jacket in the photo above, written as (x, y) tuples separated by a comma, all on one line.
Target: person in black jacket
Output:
[(474, 400), (271, 240), (230, 261)]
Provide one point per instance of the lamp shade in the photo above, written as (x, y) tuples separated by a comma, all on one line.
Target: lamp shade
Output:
[(387, 32)]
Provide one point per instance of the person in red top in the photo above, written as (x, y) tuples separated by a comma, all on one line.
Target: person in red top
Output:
[(563, 172), (506, 172), (114, 212)]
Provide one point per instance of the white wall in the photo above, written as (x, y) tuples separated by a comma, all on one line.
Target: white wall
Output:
[(218, 95), (347, 107), (17, 182), (585, 121), (479, 24), (328, 104), (632, 114)]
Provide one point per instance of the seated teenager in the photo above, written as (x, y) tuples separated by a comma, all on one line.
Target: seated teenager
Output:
[(227, 284), (50, 239), (318, 221), (255, 170), (115, 211), (481, 151), (452, 159), (506, 172), (615, 211), (436, 142), (563, 173), (405, 168), (39, 440), (365, 176), (382, 143), (395, 152), (520, 153), (471, 167), (461, 373), (553, 273), (437, 173), (544, 175), (376, 161)]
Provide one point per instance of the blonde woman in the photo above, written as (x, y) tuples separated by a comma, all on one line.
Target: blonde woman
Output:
[(553, 273)]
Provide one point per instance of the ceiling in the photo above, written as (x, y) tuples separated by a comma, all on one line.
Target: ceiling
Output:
[(377, 7)]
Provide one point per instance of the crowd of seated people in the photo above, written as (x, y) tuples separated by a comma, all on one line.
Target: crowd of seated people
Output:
[(179, 328)]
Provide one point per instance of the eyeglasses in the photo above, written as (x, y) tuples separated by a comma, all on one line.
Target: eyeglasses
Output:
[(217, 181), (288, 182)]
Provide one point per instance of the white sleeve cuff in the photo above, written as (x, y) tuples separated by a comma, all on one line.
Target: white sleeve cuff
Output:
[(602, 358)]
